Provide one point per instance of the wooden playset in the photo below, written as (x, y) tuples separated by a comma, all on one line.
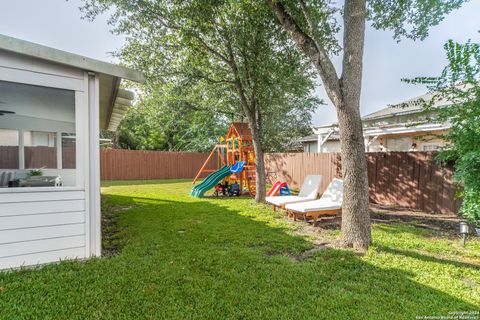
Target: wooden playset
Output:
[(237, 153)]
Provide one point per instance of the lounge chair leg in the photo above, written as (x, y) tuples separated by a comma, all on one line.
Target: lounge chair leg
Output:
[(274, 208)]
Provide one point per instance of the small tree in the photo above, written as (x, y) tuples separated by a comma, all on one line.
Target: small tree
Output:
[(312, 25), (230, 54), (458, 91)]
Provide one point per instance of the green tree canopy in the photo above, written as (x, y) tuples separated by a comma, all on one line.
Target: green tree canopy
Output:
[(159, 121), (226, 56)]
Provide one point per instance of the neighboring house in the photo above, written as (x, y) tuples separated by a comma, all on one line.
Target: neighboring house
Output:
[(402, 127), (52, 106)]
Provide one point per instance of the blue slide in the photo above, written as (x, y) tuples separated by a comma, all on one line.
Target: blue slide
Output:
[(237, 167)]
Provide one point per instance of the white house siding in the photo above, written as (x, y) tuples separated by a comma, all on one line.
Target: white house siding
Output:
[(331, 146), (391, 144), (405, 143), (399, 144), (430, 144), (8, 137), (328, 146), (374, 146), (42, 226)]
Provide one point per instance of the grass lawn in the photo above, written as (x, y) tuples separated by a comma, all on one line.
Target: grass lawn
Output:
[(222, 258)]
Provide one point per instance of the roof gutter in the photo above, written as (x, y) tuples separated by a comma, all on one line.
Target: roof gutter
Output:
[(116, 86), (66, 58)]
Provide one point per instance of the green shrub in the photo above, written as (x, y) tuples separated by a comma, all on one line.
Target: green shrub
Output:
[(35, 173), (471, 206)]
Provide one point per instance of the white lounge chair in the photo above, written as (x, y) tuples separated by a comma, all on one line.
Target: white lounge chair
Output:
[(329, 204), (308, 192)]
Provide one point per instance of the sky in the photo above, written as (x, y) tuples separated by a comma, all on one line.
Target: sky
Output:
[(58, 24)]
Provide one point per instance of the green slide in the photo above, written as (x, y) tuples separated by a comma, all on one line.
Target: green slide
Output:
[(210, 181)]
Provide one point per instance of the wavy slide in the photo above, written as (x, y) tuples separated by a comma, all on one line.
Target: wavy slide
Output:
[(276, 188), (210, 181)]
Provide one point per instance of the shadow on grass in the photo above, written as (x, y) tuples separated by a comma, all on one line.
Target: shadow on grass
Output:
[(428, 258), (114, 183), (200, 259), (413, 228)]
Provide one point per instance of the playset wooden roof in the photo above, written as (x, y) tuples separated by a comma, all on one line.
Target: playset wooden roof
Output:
[(240, 130)]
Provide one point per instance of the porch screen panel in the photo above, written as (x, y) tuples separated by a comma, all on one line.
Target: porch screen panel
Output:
[(8, 149), (40, 150), (37, 135)]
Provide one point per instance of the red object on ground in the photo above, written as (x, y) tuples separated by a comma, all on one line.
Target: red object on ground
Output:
[(276, 187)]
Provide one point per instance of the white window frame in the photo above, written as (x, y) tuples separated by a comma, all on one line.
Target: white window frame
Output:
[(80, 87), (430, 147)]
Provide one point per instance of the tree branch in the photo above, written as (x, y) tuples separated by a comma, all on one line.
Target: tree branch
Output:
[(314, 52), (211, 50), (200, 75), (238, 83), (313, 30), (156, 11)]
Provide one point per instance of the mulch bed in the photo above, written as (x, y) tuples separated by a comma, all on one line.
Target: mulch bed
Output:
[(445, 223)]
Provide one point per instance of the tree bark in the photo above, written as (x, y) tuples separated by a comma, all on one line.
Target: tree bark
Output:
[(261, 179), (356, 217), (345, 93)]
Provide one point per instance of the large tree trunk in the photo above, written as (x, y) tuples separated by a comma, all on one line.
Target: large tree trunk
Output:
[(355, 213), (355, 218), (344, 92), (261, 180)]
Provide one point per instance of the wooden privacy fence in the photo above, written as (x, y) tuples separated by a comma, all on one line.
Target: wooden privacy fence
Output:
[(294, 167), (118, 164), (35, 157), (407, 179), (412, 180), (9, 157), (40, 157)]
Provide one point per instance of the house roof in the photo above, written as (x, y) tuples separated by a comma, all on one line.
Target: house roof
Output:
[(409, 106), (112, 99), (310, 138), (314, 137), (66, 58)]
